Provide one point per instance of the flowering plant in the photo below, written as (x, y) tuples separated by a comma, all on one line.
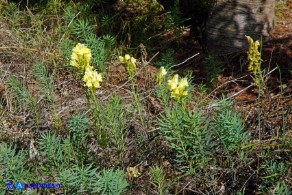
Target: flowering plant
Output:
[(91, 78), (80, 58), (133, 172), (161, 75), (177, 88), (130, 64), (254, 60)]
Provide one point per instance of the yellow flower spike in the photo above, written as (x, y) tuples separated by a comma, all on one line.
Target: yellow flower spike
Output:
[(81, 56), (254, 56), (133, 172), (91, 78), (175, 94), (121, 59), (185, 93), (133, 61), (161, 74), (254, 63), (249, 39), (127, 57), (130, 63), (172, 84), (163, 71), (176, 88), (183, 83)]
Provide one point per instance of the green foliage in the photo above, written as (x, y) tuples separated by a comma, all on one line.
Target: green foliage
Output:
[(144, 26), (107, 24), (60, 153), (12, 12), (186, 135), (158, 178), (12, 166), (86, 179), (53, 6), (109, 41), (212, 68), (112, 182), (202, 88), (69, 15), (167, 59), (79, 179), (65, 50), (228, 127), (22, 98), (174, 19), (162, 93), (282, 189), (99, 51), (273, 172), (45, 81), (50, 146), (111, 121), (81, 28), (274, 168), (78, 125)]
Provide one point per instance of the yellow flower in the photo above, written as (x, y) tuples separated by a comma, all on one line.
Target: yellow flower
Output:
[(163, 71), (127, 57), (177, 89), (121, 59), (175, 93), (183, 84), (133, 172), (185, 93), (172, 84), (130, 63), (91, 78), (80, 56), (160, 75), (133, 61), (253, 55), (131, 66), (254, 60)]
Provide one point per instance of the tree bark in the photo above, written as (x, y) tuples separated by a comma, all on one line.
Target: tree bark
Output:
[(230, 20)]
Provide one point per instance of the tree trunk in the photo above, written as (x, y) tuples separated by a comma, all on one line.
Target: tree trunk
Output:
[(230, 20)]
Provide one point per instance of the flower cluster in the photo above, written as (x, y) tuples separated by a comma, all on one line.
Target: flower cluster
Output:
[(177, 88), (161, 75), (133, 172), (130, 63), (80, 58), (254, 56), (91, 78), (254, 59)]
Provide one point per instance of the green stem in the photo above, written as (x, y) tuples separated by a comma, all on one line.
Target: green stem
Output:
[(136, 98), (102, 139), (282, 105), (259, 113)]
